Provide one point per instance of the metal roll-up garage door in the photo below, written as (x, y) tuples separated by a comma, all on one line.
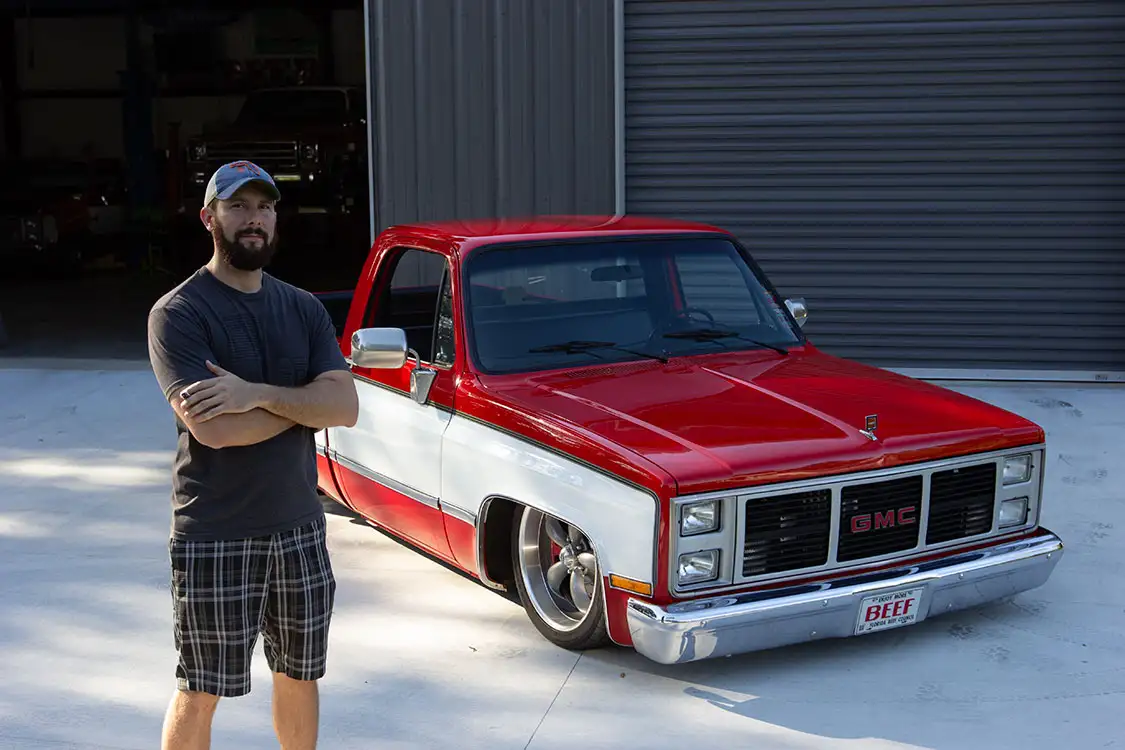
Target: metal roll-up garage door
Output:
[(944, 182)]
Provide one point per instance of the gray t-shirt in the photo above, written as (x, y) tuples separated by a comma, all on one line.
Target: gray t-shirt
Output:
[(280, 335)]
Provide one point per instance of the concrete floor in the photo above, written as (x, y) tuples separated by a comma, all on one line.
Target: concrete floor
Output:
[(424, 657)]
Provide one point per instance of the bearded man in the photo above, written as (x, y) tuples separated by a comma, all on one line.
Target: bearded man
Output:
[(252, 369)]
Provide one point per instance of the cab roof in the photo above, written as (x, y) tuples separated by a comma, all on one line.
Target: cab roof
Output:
[(466, 234)]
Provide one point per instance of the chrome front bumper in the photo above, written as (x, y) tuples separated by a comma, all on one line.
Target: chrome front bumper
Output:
[(725, 625)]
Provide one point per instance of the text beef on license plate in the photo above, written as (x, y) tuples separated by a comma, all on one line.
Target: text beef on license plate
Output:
[(891, 610)]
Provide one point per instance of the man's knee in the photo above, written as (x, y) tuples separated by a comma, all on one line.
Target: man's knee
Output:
[(297, 684), (196, 703)]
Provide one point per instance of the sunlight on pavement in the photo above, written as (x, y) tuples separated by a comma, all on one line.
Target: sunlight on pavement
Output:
[(62, 469)]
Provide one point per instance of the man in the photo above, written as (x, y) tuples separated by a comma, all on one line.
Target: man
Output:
[(251, 368)]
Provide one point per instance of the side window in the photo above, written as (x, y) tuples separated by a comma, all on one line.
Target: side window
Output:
[(444, 339), (410, 302)]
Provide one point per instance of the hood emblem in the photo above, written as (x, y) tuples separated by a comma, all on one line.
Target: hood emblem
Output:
[(871, 423)]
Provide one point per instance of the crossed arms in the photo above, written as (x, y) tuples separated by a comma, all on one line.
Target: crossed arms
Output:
[(222, 410), (226, 410)]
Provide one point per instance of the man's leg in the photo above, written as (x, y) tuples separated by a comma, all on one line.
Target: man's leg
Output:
[(187, 723), (218, 593), (296, 712), (295, 632)]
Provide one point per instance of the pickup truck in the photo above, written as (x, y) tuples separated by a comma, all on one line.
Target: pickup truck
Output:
[(622, 422), (312, 139)]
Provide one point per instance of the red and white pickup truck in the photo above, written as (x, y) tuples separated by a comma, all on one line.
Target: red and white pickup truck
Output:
[(620, 418)]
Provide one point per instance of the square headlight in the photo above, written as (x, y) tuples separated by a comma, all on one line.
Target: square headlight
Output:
[(1013, 512), (1017, 468), (699, 518), (698, 567)]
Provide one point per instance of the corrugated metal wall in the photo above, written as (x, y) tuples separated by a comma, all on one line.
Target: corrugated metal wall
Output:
[(491, 108), (943, 181)]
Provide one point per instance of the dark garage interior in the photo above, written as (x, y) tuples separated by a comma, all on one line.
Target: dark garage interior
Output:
[(116, 113)]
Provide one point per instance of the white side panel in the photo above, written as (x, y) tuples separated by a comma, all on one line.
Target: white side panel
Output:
[(396, 438), (479, 462)]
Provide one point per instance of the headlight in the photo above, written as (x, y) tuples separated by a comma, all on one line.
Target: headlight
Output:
[(699, 518), (32, 229), (1017, 468), (1013, 512), (698, 567)]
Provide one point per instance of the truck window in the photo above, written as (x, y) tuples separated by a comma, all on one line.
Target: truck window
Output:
[(419, 279), (444, 338), (578, 303), (712, 280)]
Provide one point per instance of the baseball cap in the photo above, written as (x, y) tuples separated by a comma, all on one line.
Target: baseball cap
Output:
[(230, 177)]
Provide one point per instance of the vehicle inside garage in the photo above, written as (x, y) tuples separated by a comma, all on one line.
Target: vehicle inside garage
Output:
[(115, 114)]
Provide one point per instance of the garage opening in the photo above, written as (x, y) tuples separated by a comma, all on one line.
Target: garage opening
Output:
[(115, 115)]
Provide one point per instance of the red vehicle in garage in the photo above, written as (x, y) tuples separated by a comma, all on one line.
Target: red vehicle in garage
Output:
[(621, 419)]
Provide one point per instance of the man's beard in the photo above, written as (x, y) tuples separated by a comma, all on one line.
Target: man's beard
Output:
[(241, 257)]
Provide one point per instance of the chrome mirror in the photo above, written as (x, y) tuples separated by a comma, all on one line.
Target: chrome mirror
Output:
[(798, 309), (421, 380), (379, 348)]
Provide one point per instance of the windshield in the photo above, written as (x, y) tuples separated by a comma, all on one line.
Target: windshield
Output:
[(293, 107), (561, 305)]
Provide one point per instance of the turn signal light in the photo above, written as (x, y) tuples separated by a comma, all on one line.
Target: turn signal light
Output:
[(628, 584)]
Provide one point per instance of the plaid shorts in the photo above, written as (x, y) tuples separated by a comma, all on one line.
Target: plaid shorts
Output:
[(225, 593)]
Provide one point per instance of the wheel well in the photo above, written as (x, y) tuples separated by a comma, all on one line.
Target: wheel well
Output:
[(500, 515)]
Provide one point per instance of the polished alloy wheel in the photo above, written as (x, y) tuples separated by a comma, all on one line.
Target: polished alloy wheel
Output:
[(559, 570)]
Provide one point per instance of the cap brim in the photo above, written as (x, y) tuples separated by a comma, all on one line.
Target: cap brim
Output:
[(236, 186)]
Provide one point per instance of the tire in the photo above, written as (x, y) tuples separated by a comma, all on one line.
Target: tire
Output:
[(536, 566)]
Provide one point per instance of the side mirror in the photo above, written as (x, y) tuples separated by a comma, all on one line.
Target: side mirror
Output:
[(379, 348), (421, 380), (798, 309), (386, 349)]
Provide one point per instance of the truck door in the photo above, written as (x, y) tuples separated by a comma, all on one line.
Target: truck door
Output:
[(389, 462)]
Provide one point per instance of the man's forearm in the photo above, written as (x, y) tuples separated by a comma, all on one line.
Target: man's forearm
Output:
[(229, 430), (320, 404), (250, 428)]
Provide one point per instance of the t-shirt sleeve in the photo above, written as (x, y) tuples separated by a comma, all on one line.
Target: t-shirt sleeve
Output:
[(324, 348), (178, 350)]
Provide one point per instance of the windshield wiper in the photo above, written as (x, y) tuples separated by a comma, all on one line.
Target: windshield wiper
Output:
[(714, 334), (579, 346)]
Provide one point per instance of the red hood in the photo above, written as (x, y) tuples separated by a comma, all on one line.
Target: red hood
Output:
[(742, 419)]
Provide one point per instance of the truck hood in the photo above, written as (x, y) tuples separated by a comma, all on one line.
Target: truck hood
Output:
[(743, 419), (278, 132)]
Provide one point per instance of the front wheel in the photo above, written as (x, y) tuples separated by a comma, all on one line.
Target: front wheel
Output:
[(559, 581)]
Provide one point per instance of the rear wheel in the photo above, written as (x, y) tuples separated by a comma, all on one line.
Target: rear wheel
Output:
[(559, 580)]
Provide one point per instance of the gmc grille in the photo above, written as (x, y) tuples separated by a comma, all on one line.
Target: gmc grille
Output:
[(787, 532), (961, 503), (792, 531), (276, 156), (879, 518)]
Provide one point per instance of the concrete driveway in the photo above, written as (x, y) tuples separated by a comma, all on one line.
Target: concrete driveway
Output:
[(424, 657)]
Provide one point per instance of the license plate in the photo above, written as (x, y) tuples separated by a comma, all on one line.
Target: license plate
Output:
[(891, 610)]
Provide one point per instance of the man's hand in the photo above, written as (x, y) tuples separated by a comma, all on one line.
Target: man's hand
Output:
[(225, 394)]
